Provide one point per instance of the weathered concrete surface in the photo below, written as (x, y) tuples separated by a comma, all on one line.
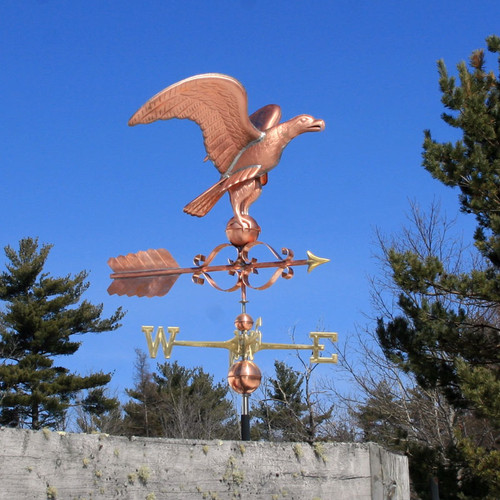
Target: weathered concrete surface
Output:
[(41, 465)]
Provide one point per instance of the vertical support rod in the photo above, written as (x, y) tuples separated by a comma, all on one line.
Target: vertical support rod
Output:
[(243, 300), (245, 418), (434, 483)]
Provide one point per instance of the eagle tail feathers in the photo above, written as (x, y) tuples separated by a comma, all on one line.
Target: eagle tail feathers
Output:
[(202, 204)]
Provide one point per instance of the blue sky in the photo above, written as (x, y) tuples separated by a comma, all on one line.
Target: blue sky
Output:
[(75, 175)]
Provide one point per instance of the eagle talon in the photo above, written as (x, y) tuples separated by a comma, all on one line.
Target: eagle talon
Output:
[(245, 226)]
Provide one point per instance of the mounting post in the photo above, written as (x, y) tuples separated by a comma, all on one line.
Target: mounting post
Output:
[(245, 418)]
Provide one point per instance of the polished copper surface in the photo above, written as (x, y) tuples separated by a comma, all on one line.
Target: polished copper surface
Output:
[(152, 273), (135, 269), (240, 236), (244, 377), (243, 322), (243, 148)]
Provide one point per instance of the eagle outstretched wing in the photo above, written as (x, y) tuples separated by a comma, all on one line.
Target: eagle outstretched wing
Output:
[(217, 103)]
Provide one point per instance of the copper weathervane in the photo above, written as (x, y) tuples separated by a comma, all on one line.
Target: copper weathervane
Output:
[(244, 149)]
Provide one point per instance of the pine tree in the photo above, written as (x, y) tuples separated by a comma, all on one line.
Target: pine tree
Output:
[(448, 332), (96, 412), (178, 402), (192, 405), (41, 316), (420, 424), (142, 411), (289, 411)]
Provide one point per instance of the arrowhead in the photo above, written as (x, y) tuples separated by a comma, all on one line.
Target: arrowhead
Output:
[(313, 261)]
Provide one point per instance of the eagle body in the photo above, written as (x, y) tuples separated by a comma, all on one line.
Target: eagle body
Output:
[(243, 148)]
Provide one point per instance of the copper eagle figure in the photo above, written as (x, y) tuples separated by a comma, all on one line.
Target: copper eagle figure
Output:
[(243, 148)]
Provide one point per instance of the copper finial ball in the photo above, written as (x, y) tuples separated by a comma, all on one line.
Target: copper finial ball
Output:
[(243, 322), (240, 236), (244, 377)]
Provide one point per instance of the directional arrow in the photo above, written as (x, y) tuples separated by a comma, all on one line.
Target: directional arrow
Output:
[(152, 273)]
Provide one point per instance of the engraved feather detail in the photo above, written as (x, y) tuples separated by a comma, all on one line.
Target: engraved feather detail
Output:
[(217, 103), (137, 266)]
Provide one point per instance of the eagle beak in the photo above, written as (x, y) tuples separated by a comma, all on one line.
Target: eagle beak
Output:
[(317, 126)]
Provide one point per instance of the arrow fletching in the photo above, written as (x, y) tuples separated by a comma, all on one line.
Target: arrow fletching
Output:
[(150, 273)]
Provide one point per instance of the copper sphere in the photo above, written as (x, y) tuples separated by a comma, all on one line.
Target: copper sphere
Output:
[(244, 377), (241, 236), (243, 322)]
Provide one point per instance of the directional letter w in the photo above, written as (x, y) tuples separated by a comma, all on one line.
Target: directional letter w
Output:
[(153, 345)]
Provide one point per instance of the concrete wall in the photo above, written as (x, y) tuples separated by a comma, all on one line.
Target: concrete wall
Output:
[(51, 465)]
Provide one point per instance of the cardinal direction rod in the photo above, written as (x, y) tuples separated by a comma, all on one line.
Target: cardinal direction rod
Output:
[(243, 346), (255, 344), (232, 345)]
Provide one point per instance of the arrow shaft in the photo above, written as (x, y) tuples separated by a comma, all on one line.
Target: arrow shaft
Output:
[(207, 269)]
